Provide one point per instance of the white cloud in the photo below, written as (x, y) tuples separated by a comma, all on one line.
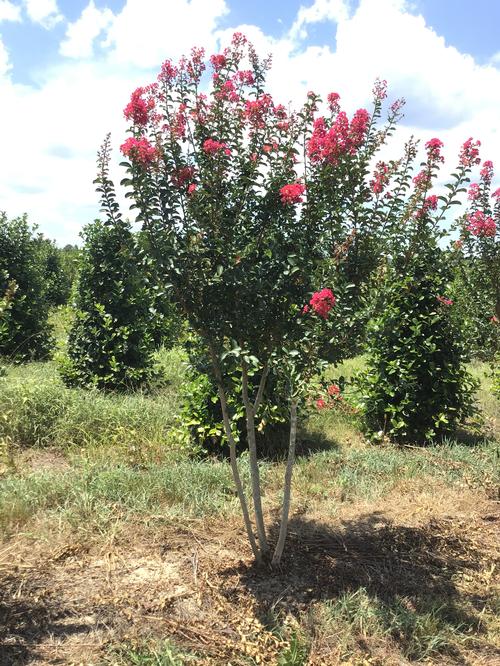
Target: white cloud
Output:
[(320, 10), (9, 11), (44, 12), (64, 119), (80, 35), (146, 31)]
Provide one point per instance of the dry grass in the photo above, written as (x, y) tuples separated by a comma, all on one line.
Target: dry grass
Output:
[(378, 582), (392, 557)]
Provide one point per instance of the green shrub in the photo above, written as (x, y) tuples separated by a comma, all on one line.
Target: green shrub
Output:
[(25, 333), (109, 344), (416, 387)]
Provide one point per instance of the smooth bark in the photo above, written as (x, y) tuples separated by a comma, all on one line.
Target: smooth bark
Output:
[(278, 551), (254, 465), (232, 456)]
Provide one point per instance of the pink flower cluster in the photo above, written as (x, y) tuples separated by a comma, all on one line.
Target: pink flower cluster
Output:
[(380, 178), (256, 110), (496, 194), (422, 180), (182, 176), (218, 61), (334, 395), (139, 151), (487, 171), (137, 110), (322, 302), (433, 148), (469, 153), (329, 145), (212, 147), (333, 102), (168, 72), (292, 193), (246, 77), (474, 192), (480, 224), (430, 203), (444, 301)]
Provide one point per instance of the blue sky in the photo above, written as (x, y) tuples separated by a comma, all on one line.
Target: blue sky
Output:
[(67, 67)]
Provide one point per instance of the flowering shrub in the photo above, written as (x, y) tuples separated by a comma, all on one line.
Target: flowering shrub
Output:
[(416, 387), (476, 257), (214, 181)]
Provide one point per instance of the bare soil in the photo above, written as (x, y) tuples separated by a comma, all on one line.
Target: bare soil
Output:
[(70, 602)]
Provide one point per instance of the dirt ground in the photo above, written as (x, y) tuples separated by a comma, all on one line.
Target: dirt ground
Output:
[(68, 602)]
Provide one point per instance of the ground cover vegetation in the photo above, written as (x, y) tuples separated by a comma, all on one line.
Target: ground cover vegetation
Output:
[(292, 306)]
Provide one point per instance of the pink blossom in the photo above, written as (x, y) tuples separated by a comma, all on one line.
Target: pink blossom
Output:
[(397, 105), (380, 178), (469, 153), (433, 148), (191, 188), (487, 171), (430, 203), (496, 194), (444, 301), (333, 102), (256, 110), (333, 390), (139, 151), (238, 39), (212, 147), (292, 193), (182, 175), (320, 403), (329, 145), (168, 72), (138, 108), (246, 77), (474, 192), (322, 302), (218, 61), (481, 224), (422, 180)]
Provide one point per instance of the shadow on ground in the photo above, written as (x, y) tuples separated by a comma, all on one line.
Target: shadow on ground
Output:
[(29, 613), (409, 571)]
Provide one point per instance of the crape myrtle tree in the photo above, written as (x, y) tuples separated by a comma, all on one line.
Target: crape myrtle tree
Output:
[(237, 195), (477, 259), (337, 154), (416, 387)]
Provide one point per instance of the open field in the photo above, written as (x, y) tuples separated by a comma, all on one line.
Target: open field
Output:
[(121, 547)]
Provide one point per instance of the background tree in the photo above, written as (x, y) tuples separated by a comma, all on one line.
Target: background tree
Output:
[(416, 387), (57, 280), (27, 334), (110, 345)]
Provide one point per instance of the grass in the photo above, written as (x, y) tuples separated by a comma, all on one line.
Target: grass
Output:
[(164, 653), (39, 411), (84, 465), (420, 632)]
